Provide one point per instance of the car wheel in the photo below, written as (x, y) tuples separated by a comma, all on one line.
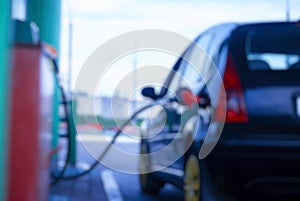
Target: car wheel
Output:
[(192, 180), (149, 184)]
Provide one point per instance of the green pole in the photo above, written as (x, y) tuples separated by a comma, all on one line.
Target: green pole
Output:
[(47, 15), (72, 119), (5, 8)]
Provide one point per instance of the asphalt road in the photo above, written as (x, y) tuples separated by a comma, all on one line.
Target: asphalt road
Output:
[(108, 182)]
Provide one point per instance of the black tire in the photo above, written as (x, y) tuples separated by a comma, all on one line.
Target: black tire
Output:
[(204, 189), (148, 182)]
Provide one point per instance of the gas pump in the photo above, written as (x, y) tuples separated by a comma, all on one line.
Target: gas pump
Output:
[(30, 120)]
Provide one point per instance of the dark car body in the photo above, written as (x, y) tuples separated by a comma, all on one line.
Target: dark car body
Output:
[(259, 148)]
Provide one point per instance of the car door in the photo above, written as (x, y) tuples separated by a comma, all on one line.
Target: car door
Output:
[(168, 128)]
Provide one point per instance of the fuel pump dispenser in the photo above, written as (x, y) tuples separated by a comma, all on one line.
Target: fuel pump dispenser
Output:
[(33, 68), (31, 96)]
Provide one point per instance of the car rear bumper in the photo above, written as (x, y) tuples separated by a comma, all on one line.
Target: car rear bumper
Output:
[(256, 163)]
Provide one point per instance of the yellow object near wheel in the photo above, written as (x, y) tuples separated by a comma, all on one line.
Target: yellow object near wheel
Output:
[(192, 183)]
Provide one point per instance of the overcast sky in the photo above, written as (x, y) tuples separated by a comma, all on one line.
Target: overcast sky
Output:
[(96, 21)]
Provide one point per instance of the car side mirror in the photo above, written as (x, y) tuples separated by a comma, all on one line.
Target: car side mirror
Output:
[(150, 93)]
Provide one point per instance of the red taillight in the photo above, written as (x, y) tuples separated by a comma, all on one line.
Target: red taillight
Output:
[(236, 107)]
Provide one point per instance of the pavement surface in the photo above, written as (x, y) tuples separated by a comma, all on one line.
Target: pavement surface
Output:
[(110, 180), (105, 183)]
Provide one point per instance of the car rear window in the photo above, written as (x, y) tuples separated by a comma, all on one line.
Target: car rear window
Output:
[(273, 50)]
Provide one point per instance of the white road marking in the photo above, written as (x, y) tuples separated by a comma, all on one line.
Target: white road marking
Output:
[(93, 138), (298, 106), (110, 185)]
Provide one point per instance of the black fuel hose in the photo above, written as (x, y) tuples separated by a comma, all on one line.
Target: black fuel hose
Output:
[(60, 175), (101, 156), (56, 177)]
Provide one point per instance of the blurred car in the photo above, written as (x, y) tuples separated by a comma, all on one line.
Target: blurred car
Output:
[(258, 152)]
